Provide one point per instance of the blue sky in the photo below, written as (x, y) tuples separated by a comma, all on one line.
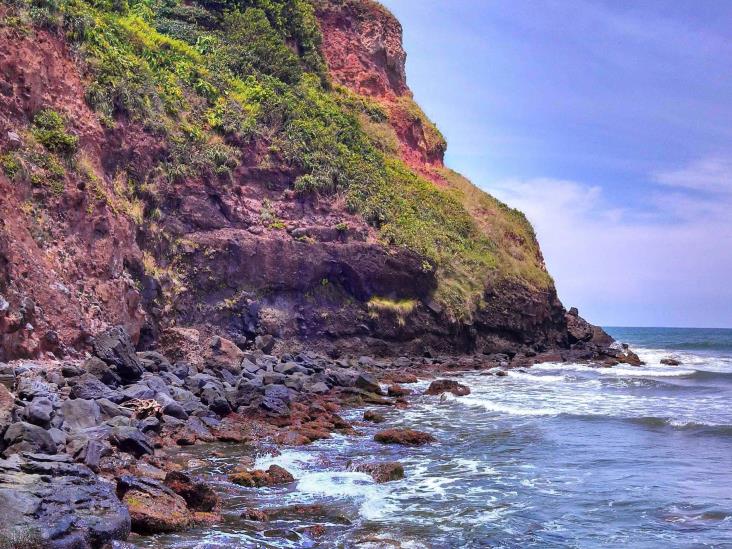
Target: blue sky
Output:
[(610, 124)]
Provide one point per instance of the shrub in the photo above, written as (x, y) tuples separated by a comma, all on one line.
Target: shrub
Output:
[(49, 128), (10, 165)]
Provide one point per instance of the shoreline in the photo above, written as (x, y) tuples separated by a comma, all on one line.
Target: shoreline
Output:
[(105, 427)]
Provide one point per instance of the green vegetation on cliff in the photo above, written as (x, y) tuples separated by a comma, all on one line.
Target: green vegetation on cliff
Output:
[(215, 77)]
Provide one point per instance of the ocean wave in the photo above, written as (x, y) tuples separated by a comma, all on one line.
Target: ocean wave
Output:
[(296, 462), (535, 378), (500, 408), (350, 485)]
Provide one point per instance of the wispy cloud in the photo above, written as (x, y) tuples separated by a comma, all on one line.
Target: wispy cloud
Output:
[(712, 175), (616, 264)]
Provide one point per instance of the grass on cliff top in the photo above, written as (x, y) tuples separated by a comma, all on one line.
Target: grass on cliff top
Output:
[(215, 76)]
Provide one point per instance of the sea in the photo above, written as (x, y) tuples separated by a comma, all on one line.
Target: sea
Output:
[(558, 455)]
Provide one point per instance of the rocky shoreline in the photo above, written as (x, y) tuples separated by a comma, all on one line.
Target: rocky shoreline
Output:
[(85, 442)]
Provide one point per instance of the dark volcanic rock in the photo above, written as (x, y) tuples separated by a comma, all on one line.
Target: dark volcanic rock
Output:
[(440, 386), (405, 437), (153, 507), (56, 503), (25, 437), (257, 478), (373, 416), (199, 496), (115, 348), (367, 382), (129, 439), (382, 472)]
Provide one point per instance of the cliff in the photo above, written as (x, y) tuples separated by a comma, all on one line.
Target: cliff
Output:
[(243, 168)]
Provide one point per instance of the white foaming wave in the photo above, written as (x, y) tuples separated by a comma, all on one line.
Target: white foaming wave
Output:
[(639, 371), (351, 485), (501, 408), (535, 378), (633, 371), (297, 462)]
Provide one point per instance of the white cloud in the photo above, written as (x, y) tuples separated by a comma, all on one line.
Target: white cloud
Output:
[(708, 174), (671, 266)]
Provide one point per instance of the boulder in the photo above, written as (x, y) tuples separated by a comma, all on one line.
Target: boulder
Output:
[(198, 495), (398, 391), (440, 386), (102, 371), (131, 440), (367, 382), (48, 501), (220, 353), (39, 412), (257, 478), (80, 414), (7, 376), (670, 362), (264, 343), (382, 472), (7, 403), (115, 348), (26, 437), (89, 387), (154, 508), (373, 416), (405, 437)]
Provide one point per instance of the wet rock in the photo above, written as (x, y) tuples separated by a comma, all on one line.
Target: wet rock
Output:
[(440, 386), (131, 440), (629, 357), (405, 437), (403, 377), (382, 472), (255, 515), (198, 495), (26, 437), (670, 362), (373, 416), (154, 508), (398, 391), (257, 478), (115, 348), (367, 382)]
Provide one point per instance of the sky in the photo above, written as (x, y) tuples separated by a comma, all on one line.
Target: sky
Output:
[(609, 123)]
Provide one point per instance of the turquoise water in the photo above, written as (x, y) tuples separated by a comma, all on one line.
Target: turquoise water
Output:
[(561, 455)]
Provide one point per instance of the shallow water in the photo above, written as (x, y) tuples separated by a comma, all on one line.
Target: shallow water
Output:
[(561, 455)]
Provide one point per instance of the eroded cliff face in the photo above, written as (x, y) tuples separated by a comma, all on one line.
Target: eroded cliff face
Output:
[(241, 254)]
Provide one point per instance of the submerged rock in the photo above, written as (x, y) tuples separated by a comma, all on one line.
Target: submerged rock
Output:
[(670, 362), (405, 437), (382, 472), (373, 416)]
